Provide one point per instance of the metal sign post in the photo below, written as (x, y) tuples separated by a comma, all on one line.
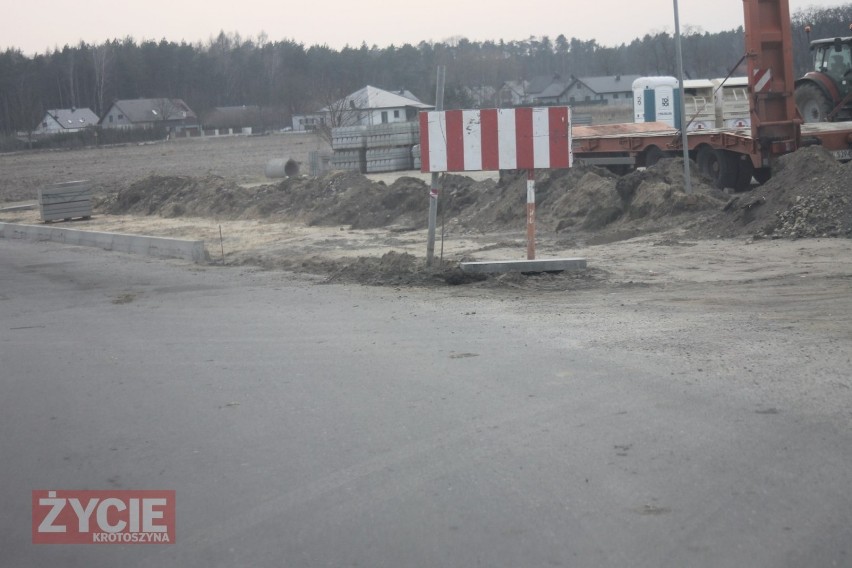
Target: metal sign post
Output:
[(531, 214)]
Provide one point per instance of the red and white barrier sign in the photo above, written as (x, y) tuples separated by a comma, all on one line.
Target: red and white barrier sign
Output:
[(495, 139), (103, 517)]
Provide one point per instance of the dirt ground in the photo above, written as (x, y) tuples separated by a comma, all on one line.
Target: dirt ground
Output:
[(639, 230), (748, 293), (113, 168)]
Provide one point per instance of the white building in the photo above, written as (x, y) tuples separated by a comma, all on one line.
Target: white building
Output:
[(61, 120), (364, 107)]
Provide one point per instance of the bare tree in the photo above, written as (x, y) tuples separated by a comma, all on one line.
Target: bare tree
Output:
[(102, 59), (340, 110), (165, 109)]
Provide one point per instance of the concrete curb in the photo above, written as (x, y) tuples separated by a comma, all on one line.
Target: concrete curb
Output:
[(160, 247), (19, 207), (539, 265)]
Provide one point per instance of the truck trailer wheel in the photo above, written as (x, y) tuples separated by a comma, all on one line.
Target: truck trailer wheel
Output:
[(653, 155), (718, 166), (813, 104), (745, 171), (762, 175)]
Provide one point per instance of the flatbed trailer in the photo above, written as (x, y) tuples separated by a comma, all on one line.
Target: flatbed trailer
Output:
[(719, 152), (729, 157)]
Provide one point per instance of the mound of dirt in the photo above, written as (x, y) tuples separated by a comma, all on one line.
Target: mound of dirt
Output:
[(398, 269), (338, 198), (341, 198), (578, 197), (175, 196), (591, 199), (809, 195)]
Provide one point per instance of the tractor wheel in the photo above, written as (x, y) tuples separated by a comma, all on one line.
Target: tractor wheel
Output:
[(813, 104)]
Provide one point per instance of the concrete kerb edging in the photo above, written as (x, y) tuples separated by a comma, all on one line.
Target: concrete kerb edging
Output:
[(160, 247), (538, 265)]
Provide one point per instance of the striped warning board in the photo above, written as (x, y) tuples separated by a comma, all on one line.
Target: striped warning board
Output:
[(495, 139), (761, 79)]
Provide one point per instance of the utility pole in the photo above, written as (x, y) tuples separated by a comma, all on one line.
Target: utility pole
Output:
[(435, 186), (682, 110)]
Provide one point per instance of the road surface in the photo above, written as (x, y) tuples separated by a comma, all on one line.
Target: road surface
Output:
[(303, 424)]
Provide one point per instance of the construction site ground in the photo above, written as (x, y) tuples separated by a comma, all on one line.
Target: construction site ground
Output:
[(772, 266), (640, 230)]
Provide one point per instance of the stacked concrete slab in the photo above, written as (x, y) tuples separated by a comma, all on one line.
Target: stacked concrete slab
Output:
[(349, 137), (388, 159), (349, 144), (389, 146), (372, 149), (67, 200), (393, 135)]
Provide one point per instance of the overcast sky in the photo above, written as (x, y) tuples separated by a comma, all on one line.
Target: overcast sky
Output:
[(38, 25)]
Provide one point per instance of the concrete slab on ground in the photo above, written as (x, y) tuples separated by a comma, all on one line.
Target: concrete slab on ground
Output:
[(160, 247), (537, 265), (19, 207)]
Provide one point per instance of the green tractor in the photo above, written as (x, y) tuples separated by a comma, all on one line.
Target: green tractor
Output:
[(825, 93)]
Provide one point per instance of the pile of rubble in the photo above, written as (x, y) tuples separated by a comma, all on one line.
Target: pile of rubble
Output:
[(810, 195)]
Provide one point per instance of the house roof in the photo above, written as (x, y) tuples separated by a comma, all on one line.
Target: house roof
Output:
[(540, 83), (150, 110), (553, 90), (609, 84), (519, 87), (484, 90), (374, 98), (73, 117)]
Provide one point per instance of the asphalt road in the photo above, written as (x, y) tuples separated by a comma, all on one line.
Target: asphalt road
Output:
[(303, 424)]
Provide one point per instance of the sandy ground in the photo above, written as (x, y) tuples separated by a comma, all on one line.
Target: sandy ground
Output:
[(663, 259)]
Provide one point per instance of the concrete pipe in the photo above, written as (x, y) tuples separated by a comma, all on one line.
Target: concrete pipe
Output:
[(279, 168)]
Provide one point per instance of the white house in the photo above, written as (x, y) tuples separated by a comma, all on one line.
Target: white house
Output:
[(364, 107), (61, 120), (512, 93), (609, 90)]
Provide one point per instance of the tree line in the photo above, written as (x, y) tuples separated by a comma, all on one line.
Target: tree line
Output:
[(285, 77)]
